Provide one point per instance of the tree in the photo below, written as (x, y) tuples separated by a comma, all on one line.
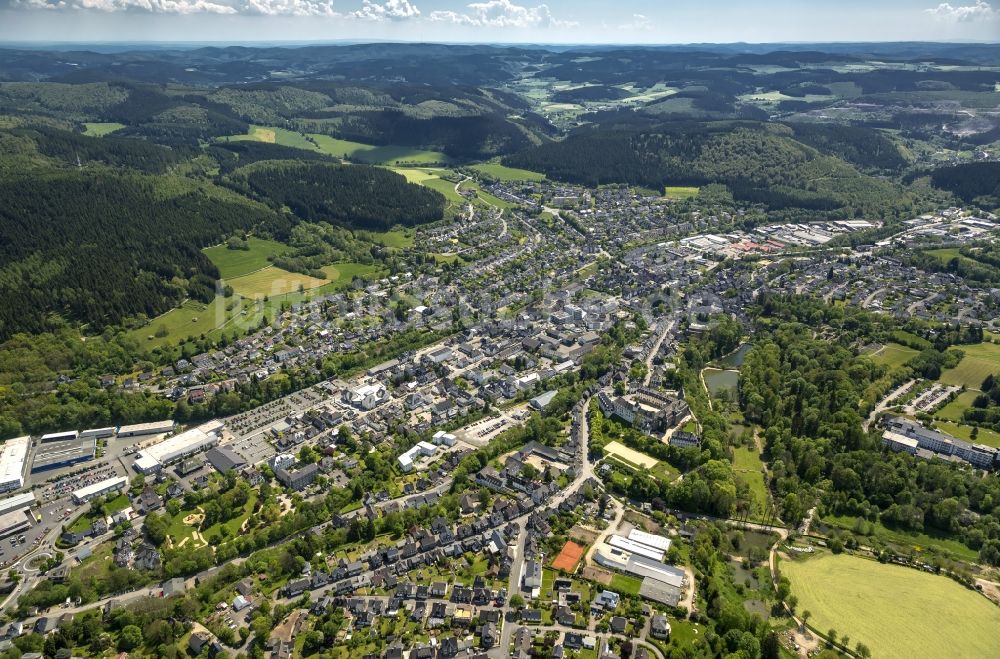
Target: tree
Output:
[(130, 639), (516, 601), (805, 617), (832, 635), (863, 651)]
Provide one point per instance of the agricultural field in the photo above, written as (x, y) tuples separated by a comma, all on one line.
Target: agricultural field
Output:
[(191, 318), (376, 155), (503, 173), (843, 591), (980, 360), (680, 191), (272, 281), (629, 456), (101, 128), (272, 135), (893, 355), (237, 262)]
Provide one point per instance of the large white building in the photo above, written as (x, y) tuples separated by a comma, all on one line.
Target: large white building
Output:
[(419, 449), (100, 488), (180, 446), (13, 454), (368, 396)]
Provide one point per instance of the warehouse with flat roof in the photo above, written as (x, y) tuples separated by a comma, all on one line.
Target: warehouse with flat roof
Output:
[(13, 455), (151, 428), (179, 446), (99, 433), (100, 488), (17, 502), (13, 522), (60, 436), (63, 453)]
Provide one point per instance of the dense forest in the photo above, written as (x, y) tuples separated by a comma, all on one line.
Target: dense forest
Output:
[(804, 391), (758, 162), (971, 181), (103, 245), (356, 196)]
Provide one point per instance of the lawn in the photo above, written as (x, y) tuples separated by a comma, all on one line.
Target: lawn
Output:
[(100, 128), (980, 360), (953, 410), (503, 173), (237, 262), (893, 355), (680, 191), (191, 318), (377, 155), (886, 607), (625, 584), (984, 436), (748, 466), (272, 281)]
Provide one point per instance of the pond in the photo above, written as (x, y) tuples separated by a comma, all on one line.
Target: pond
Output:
[(718, 381), (736, 357)]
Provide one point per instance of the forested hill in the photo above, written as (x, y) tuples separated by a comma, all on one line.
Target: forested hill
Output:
[(759, 163), (356, 196), (101, 245)]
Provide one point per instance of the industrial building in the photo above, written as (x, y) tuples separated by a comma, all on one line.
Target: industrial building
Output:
[(100, 488), (60, 436), (152, 428), (13, 522), (172, 449), (13, 455), (17, 502), (98, 433), (67, 450), (225, 459), (636, 548)]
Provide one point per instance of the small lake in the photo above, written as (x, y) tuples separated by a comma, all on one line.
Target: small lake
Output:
[(718, 381), (736, 357)]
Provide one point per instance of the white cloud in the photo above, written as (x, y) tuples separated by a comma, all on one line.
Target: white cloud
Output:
[(390, 10), (258, 7), (638, 22), (501, 14), (980, 11)]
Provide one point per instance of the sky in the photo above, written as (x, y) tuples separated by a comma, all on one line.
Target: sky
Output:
[(499, 21)]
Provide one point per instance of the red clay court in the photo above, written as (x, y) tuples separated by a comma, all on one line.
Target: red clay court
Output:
[(569, 556)]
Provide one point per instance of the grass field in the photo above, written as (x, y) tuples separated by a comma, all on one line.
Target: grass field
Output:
[(272, 281), (628, 455), (980, 360), (985, 435), (886, 607), (397, 238), (625, 584), (748, 468), (680, 191), (100, 128), (503, 173), (377, 155), (273, 135), (237, 262), (893, 355), (953, 410), (431, 178)]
